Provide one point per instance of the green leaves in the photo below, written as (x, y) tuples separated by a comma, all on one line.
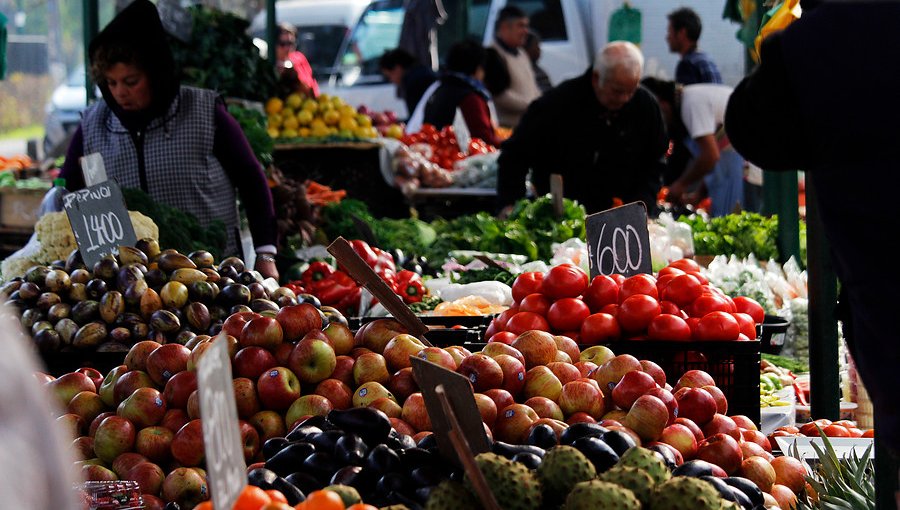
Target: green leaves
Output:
[(841, 483)]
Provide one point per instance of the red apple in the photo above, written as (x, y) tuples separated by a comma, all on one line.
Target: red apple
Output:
[(625, 430), (540, 381), (136, 359), (668, 399), (343, 369), (694, 379), (403, 384), (538, 347), (681, 420), (97, 473), (166, 361), (755, 436), (611, 372), (633, 385), (282, 354), (298, 320), (341, 337), (784, 497), (790, 473), (513, 373), (144, 408), (278, 388), (249, 440), (415, 414), (721, 424), (744, 422), (615, 415), (370, 367), (193, 405), (92, 427), (582, 396), (122, 464), (388, 406), (152, 502), (751, 449), (66, 386), (719, 397), (487, 408), (655, 371), (376, 334), (269, 424), (128, 382), (312, 360), (564, 371), (174, 419), (513, 423), (580, 417), (369, 392), (482, 371), (83, 448), (398, 350), (682, 439), (402, 427), (197, 353), (586, 368), (235, 323), (501, 398), (597, 354), (245, 397), (107, 387), (252, 362), (262, 332), (696, 404), (115, 435), (647, 417), (458, 352), (545, 408), (339, 394), (185, 486), (154, 443), (721, 450), (187, 445), (438, 356), (568, 346), (501, 337), (93, 374), (148, 476), (86, 404), (179, 388), (307, 405), (495, 349)]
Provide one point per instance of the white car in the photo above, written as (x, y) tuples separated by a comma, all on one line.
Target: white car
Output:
[(64, 112)]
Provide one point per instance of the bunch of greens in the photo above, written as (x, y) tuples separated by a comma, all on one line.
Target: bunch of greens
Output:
[(485, 275), (221, 56), (735, 234), (791, 364), (177, 229), (253, 123)]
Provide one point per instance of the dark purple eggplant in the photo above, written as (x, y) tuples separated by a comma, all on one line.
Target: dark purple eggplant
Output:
[(325, 441), (619, 441), (391, 482), (413, 458), (321, 465), (428, 442), (302, 432), (360, 478), (350, 449), (510, 450), (262, 478), (747, 487), (372, 425), (290, 458), (721, 487), (667, 455), (599, 453), (273, 446), (399, 442), (579, 430), (543, 436), (697, 468), (291, 492), (529, 460), (425, 475), (304, 481), (383, 460)]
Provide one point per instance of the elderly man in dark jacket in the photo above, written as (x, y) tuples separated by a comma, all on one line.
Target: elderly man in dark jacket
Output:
[(601, 131), (818, 104)]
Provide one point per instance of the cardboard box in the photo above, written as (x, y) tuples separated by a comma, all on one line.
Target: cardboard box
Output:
[(19, 207)]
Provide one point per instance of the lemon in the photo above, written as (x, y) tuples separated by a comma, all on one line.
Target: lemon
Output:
[(275, 120), (311, 105), (346, 111), (331, 117), (347, 124), (395, 131), (363, 120), (319, 131), (290, 123), (304, 117), (324, 98), (345, 133), (317, 124), (294, 101), (273, 133), (274, 105), (289, 133), (303, 132)]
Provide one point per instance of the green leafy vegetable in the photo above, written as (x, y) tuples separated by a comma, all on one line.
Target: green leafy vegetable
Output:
[(739, 235), (793, 365), (486, 275), (253, 123)]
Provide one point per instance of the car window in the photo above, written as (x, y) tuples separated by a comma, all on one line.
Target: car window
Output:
[(545, 17), (321, 44), (377, 31)]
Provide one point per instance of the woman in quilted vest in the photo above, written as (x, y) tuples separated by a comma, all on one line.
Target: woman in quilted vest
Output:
[(178, 144)]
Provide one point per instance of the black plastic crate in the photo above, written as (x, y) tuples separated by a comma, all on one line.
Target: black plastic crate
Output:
[(772, 333), (444, 330), (733, 365), (60, 363)]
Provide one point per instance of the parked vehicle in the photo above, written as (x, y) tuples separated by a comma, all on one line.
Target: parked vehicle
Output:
[(571, 30), (64, 112)]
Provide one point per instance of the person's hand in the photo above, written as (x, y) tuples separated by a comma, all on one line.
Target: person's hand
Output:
[(676, 192), (265, 264)]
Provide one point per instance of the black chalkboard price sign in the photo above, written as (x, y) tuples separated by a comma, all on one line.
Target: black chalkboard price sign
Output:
[(99, 221), (618, 241)]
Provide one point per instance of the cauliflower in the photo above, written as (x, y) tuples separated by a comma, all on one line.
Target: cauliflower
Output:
[(55, 241)]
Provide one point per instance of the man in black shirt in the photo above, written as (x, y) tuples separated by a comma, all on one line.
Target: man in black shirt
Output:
[(601, 131)]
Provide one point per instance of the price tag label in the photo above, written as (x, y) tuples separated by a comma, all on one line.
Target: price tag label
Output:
[(618, 241), (99, 221), (221, 435)]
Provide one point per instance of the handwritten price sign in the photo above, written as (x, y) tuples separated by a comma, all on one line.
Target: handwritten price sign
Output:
[(99, 221), (618, 241), (221, 435)]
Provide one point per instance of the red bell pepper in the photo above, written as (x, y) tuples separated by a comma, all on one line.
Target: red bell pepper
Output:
[(296, 286), (384, 260), (365, 251), (410, 286), (334, 288), (349, 304), (316, 272)]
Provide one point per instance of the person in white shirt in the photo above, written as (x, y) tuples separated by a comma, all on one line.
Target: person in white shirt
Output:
[(510, 34)]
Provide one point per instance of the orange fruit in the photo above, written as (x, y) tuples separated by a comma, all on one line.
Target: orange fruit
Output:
[(324, 500), (276, 496), (251, 498)]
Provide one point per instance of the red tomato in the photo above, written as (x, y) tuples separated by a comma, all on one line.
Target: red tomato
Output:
[(836, 431), (707, 303), (748, 327), (620, 279), (636, 312), (503, 318), (537, 303), (662, 282), (669, 327), (692, 322), (526, 321), (674, 271), (525, 284), (670, 308), (868, 433), (718, 326), (638, 284), (599, 327), (504, 337), (565, 280), (743, 338), (602, 291), (567, 314), (612, 309), (703, 280), (683, 290), (750, 307), (686, 265)]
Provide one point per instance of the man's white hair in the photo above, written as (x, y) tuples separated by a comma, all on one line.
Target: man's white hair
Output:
[(618, 54)]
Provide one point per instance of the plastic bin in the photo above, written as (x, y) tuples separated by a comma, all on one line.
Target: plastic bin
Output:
[(771, 333)]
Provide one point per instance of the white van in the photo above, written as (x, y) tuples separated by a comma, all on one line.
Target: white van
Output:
[(343, 39)]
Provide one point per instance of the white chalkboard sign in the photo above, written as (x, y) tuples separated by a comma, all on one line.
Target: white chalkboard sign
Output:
[(221, 434), (99, 221), (618, 241)]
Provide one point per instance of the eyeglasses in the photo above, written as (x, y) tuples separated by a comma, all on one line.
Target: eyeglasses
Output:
[(285, 43)]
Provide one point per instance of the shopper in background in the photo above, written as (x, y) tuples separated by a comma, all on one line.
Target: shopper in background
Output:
[(461, 90), (682, 34), (601, 131), (799, 110), (178, 144), (510, 32), (294, 71), (533, 48), (694, 116), (36, 463), (411, 78)]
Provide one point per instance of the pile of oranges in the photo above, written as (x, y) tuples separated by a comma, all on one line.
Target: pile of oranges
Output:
[(298, 116), (254, 498)]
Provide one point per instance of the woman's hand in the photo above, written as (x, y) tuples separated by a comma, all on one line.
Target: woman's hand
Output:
[(265, 264)]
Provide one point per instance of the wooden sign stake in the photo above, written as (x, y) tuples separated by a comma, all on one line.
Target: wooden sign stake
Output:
[(362, 273), (556, 193), (465, 454)]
